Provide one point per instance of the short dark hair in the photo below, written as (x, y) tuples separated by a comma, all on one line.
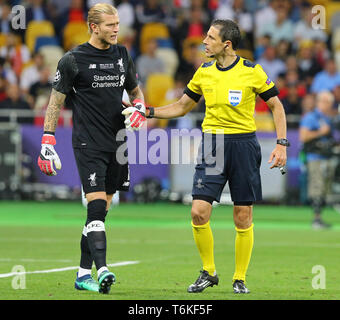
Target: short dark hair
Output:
[(229, 30)]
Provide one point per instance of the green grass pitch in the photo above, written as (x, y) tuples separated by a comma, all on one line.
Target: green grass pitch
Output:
[(44, 237)]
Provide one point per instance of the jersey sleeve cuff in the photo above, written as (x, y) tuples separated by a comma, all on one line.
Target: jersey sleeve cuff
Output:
[(272, 92), (193, 95)]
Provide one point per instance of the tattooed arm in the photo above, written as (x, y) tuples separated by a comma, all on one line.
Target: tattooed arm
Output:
[(53, 110), (135, 93)]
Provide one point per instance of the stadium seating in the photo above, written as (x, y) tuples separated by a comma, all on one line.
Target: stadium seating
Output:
[(170, 59), (52, 54), (3, 39), (152, 30), (157, 85), (45, 41), (37, 29), (336, 40), (75, 33), (332, 8)]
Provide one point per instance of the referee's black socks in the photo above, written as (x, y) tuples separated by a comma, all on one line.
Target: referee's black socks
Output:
[(96, 237)]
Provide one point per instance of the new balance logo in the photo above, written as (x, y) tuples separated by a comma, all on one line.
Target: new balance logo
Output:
[(92, 66)]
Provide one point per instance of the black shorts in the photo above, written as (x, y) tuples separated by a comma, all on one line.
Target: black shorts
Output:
[(100, 171), (233, 158)]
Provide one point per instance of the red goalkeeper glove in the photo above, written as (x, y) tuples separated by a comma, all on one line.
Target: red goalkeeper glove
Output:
[(48, 156), (135, 115)]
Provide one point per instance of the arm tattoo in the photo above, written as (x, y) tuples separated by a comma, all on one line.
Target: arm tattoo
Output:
[(53, 109), (135, 93)]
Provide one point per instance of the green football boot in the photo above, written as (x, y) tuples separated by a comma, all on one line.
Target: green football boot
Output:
[(86, 283)]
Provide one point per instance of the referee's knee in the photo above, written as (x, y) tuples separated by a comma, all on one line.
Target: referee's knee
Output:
[(199, 215)]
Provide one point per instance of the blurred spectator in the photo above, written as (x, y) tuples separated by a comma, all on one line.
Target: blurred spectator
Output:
[(316, 134), (188, 62), (6, 16), (15, 52), (261, 45), (126, 37), (7, 72), (91, 3), (15, 102), (40, 91), (59, 6), (326, 79), (303, 29), (236, 12), (336, 93), (292, 64), (307, 63), (283, 49), (265, 15), (292, 101), (76, 11), (126, 13), (196, 25), (31, 73), (150, 11), (281, 29), (37, 10), (271, 65), (308, 103), (3, 85), (321, 52), (149, 63)]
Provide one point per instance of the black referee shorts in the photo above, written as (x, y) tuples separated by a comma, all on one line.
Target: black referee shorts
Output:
[(100, 171), (232, 158)]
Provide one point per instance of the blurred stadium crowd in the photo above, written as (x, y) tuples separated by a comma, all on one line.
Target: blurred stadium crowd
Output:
[(165, 40)]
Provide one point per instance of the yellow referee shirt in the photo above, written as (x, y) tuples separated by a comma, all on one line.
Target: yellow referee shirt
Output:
[(230, 94)]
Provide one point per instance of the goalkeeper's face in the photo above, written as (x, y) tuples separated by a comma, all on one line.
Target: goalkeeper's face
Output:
[(107, 30)]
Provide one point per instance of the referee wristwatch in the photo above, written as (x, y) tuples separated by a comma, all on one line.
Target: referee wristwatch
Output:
[(283, 142)]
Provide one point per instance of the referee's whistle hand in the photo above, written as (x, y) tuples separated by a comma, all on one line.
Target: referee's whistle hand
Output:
[(278, 157)]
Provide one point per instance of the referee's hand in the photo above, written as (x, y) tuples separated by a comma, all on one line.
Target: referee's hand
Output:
[(134, 115), (279, 156)]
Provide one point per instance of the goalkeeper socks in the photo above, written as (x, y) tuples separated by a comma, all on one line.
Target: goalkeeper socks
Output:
[(86, 259), (243, 248), (95, 229), (205, 244)]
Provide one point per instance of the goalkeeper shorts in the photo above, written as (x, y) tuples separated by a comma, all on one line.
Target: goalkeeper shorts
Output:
[(232, 158), (100, 171)]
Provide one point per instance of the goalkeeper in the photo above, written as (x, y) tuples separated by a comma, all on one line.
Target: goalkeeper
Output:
[(229, 85), (91, 78)]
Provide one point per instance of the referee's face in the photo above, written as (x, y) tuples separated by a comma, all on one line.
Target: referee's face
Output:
[(107, 30), (213, 43)]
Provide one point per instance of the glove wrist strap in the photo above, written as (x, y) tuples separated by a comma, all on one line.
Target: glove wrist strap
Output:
[(48, 139), (151, 112)]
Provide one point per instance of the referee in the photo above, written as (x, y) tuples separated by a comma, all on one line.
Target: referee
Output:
[(91, 79), (229, 85)]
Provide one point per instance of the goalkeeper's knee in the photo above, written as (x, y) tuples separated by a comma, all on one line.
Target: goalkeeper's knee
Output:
[(96, 211)]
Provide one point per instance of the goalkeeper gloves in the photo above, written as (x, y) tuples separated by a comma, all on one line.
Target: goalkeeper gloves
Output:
[(135, 115), (48, 155)]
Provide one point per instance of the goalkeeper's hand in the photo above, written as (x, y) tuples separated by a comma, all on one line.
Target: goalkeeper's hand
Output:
[(135, 115), (48, 156)]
